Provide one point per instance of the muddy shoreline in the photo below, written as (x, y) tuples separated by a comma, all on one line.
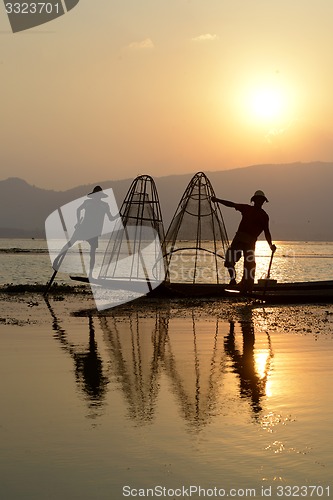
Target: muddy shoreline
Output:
[(31, 308)]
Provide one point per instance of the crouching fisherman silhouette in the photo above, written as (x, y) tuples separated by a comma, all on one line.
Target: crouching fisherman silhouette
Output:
[(90, 219), (254, 221)]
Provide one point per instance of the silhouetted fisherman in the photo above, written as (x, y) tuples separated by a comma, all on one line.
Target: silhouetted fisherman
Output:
[(89, 226), (254, 221)]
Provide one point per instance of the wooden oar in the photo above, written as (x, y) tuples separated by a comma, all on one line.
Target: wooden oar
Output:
[(268, 272), (270, 263), (61, 258), (48, 285)]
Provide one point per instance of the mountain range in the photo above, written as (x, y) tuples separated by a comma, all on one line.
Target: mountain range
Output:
[(300, 199)]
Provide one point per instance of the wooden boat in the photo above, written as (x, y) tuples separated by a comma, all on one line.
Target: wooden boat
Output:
[(133, 285), (272, 292), (298, 292)]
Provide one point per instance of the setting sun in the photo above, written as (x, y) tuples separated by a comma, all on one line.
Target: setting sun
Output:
[(267, 103)]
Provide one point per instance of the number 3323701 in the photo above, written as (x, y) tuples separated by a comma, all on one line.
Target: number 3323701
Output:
[(33, 8)]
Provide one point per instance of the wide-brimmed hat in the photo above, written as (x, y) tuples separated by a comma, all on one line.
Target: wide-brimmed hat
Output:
[(259, 194), (98, 191)]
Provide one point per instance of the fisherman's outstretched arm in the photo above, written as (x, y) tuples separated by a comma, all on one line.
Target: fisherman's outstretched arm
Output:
[(110, 216), (226, 203), (78, 213)]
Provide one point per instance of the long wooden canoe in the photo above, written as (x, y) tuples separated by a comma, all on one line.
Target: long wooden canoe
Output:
[(292, 292), (271, 292)]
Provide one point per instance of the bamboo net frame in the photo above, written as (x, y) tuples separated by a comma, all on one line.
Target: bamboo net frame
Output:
[(196, 240), (140, 210)]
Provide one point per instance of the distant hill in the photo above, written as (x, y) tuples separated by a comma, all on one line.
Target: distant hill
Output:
[(24, 208), (300, 199)]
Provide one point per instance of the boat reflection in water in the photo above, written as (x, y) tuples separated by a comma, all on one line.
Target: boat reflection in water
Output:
[(206, 364), (135, 347)]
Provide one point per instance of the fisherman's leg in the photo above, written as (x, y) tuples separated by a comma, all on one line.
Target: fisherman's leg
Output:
[(93, 247), (60, 257), (232, 274), (231, 257), (249, 270)]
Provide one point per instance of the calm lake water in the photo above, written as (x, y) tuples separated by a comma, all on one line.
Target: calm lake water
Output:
[(96, 406), (27, 261), (161, 401)]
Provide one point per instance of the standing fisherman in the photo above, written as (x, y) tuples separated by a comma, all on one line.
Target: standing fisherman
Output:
[(89, 226), (254, 221)]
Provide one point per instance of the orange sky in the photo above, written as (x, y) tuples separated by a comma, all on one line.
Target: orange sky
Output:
[(116, 89)]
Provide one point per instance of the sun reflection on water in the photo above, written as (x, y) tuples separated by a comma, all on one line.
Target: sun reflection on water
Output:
[(261, 360)]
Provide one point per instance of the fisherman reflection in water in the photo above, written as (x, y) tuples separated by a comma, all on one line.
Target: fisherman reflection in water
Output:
[(89, 226), (252, 386), (90, 373), (254, 221)]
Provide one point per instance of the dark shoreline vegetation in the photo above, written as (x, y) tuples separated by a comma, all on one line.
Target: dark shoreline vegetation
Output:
[(77, 301), (24, 250), (40, 288)]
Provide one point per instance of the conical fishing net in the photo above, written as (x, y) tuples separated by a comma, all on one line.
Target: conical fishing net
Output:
[(134, 252), (196, 240)]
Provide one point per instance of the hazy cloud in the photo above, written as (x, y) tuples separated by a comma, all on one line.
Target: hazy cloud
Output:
[(208, 37), (275, 133), (147, 43)]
